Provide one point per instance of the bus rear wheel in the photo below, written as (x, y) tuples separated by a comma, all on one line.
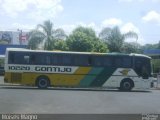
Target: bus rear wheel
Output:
[(42, 82), (126, 85)]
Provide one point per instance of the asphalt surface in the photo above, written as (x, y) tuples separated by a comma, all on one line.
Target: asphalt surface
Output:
[(20, 99)]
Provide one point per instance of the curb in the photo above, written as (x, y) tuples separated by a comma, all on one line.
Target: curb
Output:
[(9, 85)]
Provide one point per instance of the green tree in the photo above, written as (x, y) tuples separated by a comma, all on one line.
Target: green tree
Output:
[(84, 40), (35, 41), (45, 36), (115, 39), (131, 47), (100, 46), (61, 45), (150, 46), (156, 65), (59, 34)]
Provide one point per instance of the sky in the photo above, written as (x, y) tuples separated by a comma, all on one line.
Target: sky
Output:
[(140, 16)]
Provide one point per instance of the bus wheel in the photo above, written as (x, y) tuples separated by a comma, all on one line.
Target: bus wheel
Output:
[(126, 85), (42, 82)]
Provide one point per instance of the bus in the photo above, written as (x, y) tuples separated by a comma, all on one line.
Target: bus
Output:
[(77, 69)]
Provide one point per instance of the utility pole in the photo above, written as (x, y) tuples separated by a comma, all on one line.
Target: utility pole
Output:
[(20, 36)]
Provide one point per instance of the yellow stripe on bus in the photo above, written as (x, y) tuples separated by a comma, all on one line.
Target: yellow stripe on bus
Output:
[(55, 79), (70, 79)]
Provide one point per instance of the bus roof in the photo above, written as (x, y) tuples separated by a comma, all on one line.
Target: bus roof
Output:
[(71, 52)]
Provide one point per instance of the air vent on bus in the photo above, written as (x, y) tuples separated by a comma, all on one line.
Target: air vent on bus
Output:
[(16, 77)]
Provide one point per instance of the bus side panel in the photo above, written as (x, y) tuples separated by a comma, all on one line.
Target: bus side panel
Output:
[(69, 79), (119, 75), (57, 79), (13, 77), (90, 77), (82, 77), (28, 78), (7, 77)]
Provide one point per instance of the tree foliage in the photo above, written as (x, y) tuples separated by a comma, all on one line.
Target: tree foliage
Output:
[(151, 46), (131, 47), (115, 39), (61, 45), (44, 35), (84, 39)]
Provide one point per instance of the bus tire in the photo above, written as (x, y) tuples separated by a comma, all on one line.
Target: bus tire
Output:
[(126, 85), (42, 82)]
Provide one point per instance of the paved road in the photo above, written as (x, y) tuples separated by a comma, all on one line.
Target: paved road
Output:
[(15, 99)]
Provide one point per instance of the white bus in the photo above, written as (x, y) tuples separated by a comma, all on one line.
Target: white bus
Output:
[(77, 69)]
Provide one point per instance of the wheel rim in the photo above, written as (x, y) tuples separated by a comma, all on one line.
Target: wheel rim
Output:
[(126, 85), (43, 83)]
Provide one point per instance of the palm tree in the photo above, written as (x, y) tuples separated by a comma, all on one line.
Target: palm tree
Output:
[(44, 36), (115, 39)]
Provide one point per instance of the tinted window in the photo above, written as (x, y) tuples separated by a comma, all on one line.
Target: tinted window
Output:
[(123, 62), (142, 66), (82, 60), (127, 62), (102, 61), (108, 61), (40, 59), (67, 59), (19, 58), (57, 59), (118, 62), (62, 59)]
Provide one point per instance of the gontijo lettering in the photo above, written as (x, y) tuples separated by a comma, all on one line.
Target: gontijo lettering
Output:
[(53, 69), (42, 69)]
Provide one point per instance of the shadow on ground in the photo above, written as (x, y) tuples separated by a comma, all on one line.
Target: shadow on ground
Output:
[(70, 89)]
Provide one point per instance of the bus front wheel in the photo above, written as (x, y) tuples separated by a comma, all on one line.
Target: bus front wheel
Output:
[(126, 85), (42, 82)]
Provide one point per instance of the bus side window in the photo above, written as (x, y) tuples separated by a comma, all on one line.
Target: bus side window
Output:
[(102, 61), (127, 62), (142, 67), (40, 59), (98, 61), (32, 59), (82, 60), (19, 58), (108, 61), (48, 60), (90, 60), (123, 62), (11, 58), (26, 59), (138, 66), (57, 59), (66, 59), (118, 62), (145, 73)]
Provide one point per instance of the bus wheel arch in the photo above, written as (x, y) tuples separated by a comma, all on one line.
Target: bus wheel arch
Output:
[(126, 84), (42, 82)]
